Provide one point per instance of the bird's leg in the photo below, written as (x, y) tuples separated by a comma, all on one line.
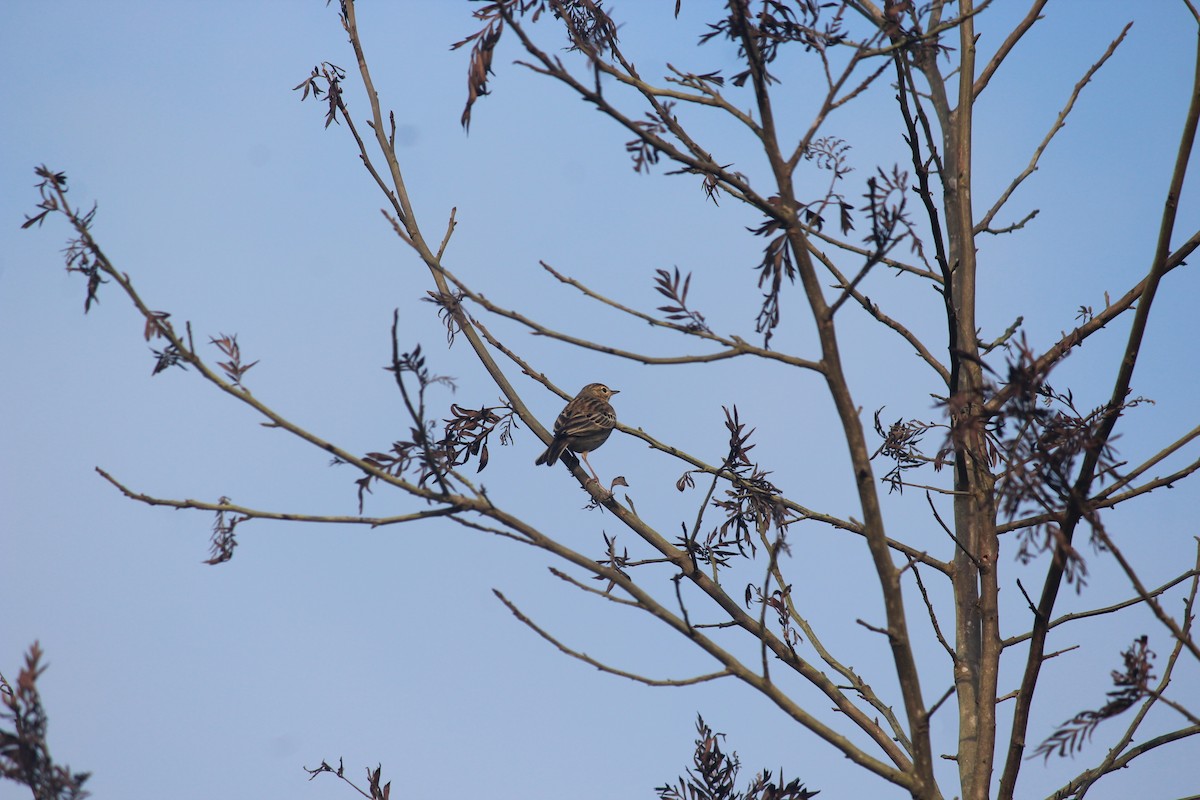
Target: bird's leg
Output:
[(595, 477)]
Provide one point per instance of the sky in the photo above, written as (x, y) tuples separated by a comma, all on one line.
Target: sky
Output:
[(230, 205)]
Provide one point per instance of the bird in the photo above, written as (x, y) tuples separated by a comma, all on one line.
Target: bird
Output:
[(584, 424)]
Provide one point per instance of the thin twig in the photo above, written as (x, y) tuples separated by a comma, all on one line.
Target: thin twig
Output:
[(1096, 612), (585, 658), (937, 629), (254, 513), (1058, 125)]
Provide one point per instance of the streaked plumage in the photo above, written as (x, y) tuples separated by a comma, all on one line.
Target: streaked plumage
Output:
[(584, 424)]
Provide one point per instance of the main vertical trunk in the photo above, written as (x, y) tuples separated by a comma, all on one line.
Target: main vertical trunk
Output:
[(974, 508)]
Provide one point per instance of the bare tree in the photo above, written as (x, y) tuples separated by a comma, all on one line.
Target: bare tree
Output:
[(1013, 467)]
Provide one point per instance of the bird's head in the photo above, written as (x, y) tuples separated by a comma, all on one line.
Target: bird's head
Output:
[(598, 390)]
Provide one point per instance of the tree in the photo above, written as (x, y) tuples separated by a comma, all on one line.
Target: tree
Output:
[(24, 753), (1007, 463)]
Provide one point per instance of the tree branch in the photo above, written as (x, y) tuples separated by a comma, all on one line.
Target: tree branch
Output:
[(585, 658), (1081, 490), (254, 513), (985, 223), (1006, 47)]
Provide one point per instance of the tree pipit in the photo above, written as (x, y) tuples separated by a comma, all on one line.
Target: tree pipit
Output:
[(584, 424)]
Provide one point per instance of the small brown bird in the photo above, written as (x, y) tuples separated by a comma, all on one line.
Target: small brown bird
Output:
[(584, 424)]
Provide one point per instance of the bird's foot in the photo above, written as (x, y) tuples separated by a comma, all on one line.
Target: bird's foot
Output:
[(605, 493)]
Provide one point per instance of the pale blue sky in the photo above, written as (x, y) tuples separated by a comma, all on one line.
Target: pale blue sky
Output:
[(230, 206)]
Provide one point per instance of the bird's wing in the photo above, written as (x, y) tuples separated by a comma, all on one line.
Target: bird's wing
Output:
[(583, 420)]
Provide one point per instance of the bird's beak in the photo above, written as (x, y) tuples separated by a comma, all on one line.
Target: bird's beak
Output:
[(614, 391)]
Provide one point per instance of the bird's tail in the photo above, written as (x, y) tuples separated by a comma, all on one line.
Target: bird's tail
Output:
[(550, 457)]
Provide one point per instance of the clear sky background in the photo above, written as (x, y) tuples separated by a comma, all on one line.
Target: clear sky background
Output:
[(229, 205)]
